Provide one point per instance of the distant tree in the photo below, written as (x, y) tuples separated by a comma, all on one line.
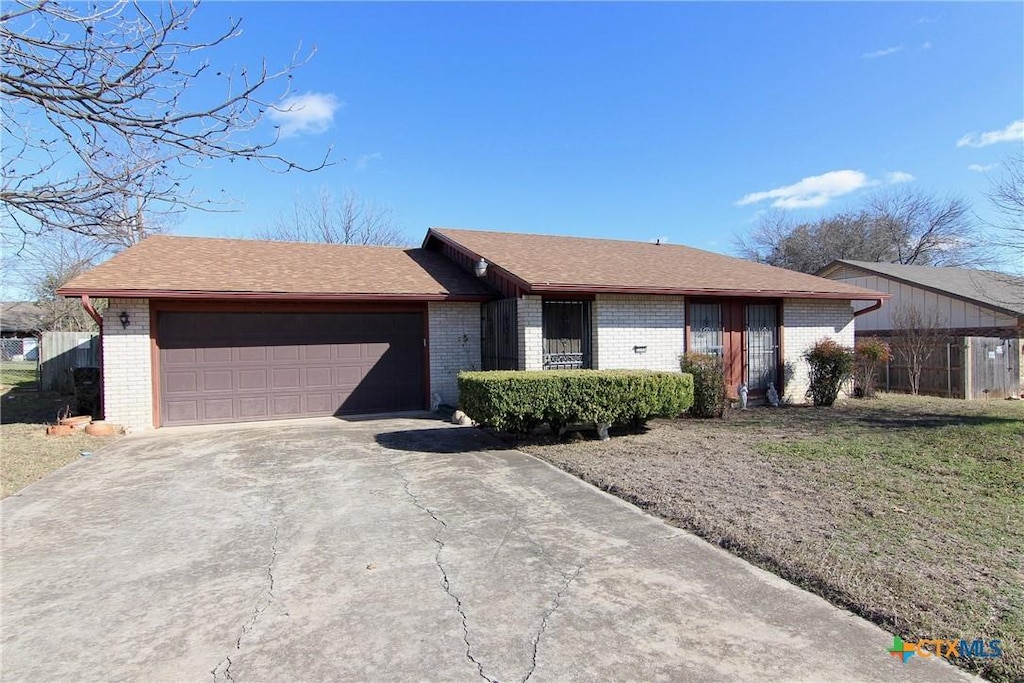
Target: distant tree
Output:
[(905, 227), (917, 334), (1007, 198), (326, 219), (106, 105)]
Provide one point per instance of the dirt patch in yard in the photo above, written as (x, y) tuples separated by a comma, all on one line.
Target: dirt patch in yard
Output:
[(908, 511), (27, 454)]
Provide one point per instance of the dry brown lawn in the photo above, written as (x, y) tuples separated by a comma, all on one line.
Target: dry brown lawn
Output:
[(908, 511), (27, 454)]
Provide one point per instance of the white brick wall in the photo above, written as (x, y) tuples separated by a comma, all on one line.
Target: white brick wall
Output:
[(622, 322), (454, 345), (127, 365), (530, 315), (808, 321)]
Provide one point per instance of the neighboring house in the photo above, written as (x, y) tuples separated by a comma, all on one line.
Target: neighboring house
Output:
[(20, 322), (983, 312), (20, 319), (205, 330)]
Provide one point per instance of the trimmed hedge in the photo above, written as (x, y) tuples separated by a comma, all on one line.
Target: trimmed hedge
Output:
[(518, 401)]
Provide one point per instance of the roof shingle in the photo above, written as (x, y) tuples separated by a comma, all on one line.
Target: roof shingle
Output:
[(207, 267), (554, 263)]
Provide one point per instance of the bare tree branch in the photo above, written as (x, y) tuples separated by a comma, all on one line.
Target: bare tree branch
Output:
[(350, 220), (895, 227), (86, 85)]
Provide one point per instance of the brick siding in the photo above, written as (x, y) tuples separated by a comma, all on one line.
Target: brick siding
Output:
[(657, 324), (808, 321), (454, 345), (127, 365), (529, 317)]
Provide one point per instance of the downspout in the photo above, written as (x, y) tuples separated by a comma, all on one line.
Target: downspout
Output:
[(94, 314), (873, 307)]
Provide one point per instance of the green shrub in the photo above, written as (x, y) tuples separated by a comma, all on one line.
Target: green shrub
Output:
[(518, 401), (708, 383), (868, 354), (831, 365)]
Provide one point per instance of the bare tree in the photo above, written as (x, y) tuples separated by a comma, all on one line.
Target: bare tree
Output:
[(917, 335), (101, 108), (894, 227), (44, 265), (1007, 198), (350, 220)]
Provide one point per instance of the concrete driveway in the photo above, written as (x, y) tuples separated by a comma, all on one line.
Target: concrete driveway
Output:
[(402, 549)]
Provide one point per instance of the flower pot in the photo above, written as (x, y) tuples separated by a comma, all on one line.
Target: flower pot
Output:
[(99, 428), (78, 421), (59, 430)]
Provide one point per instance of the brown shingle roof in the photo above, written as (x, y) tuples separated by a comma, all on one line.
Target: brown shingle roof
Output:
[(548, 263), (207, 268)]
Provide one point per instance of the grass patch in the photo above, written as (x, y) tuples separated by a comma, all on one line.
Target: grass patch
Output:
[(27, 454), (905, 510), (18, 375)]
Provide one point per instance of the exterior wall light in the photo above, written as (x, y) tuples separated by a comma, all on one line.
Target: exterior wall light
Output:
[(480, 268), (124, 319)]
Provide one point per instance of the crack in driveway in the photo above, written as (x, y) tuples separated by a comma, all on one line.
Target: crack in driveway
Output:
[(556, 603), (445, 582), (223, 668)]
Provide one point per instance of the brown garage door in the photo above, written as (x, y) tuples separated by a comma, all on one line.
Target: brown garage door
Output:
[(232, 367)]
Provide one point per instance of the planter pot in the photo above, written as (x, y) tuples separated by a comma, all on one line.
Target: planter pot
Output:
[(59, 430), (77, 422), (99, 428)]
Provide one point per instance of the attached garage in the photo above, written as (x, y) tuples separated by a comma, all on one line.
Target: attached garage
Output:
[(233, 367), (205, 331)]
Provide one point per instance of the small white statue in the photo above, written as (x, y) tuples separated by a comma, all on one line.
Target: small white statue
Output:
[(460, 418), (773, 396), (742, 391), (435, 402)]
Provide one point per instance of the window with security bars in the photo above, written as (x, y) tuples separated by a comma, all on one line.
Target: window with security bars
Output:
[(566, 328), (706, 330)]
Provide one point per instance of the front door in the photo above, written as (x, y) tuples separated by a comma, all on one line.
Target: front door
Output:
[(744, 335), (762, 344)]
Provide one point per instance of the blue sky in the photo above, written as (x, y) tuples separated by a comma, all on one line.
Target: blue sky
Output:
[(679, 121), (630, 120)]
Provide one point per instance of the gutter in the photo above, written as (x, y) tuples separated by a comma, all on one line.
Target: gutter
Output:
[(93, 313), (873, 307)]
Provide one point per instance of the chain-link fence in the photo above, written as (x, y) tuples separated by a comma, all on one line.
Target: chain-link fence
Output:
[(19, 363)]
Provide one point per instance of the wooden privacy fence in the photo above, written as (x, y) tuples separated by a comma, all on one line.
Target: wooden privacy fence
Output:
[(62, 352), (960, 367)]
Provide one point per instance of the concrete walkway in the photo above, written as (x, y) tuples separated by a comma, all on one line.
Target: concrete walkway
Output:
[(399, 549)]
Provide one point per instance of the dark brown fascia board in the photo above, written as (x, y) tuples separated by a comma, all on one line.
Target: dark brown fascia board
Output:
[(927, 288), (676, 291), (267, 296), (518, 281)]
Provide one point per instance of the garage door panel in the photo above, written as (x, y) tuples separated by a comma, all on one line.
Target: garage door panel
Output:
[(253, 379), (215, 356), (180, 356), (179, 382), (184, 412), (254, 354), (287, 406), (218, 380), (254, 407), (217, 409), (231, 367)]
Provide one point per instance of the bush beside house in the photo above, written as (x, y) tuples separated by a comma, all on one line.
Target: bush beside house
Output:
[(708, 383), (518, 401)]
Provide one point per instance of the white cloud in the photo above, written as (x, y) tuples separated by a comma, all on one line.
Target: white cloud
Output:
[(897, 177), (1012, 133), (981, 169), (365, 160), (884, 52), (308, 113), (814, 191), (926, 45)]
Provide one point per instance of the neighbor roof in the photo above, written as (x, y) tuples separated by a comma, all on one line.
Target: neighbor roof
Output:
[(547, 263), (199, 267), (983, 287), (20, 316)]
